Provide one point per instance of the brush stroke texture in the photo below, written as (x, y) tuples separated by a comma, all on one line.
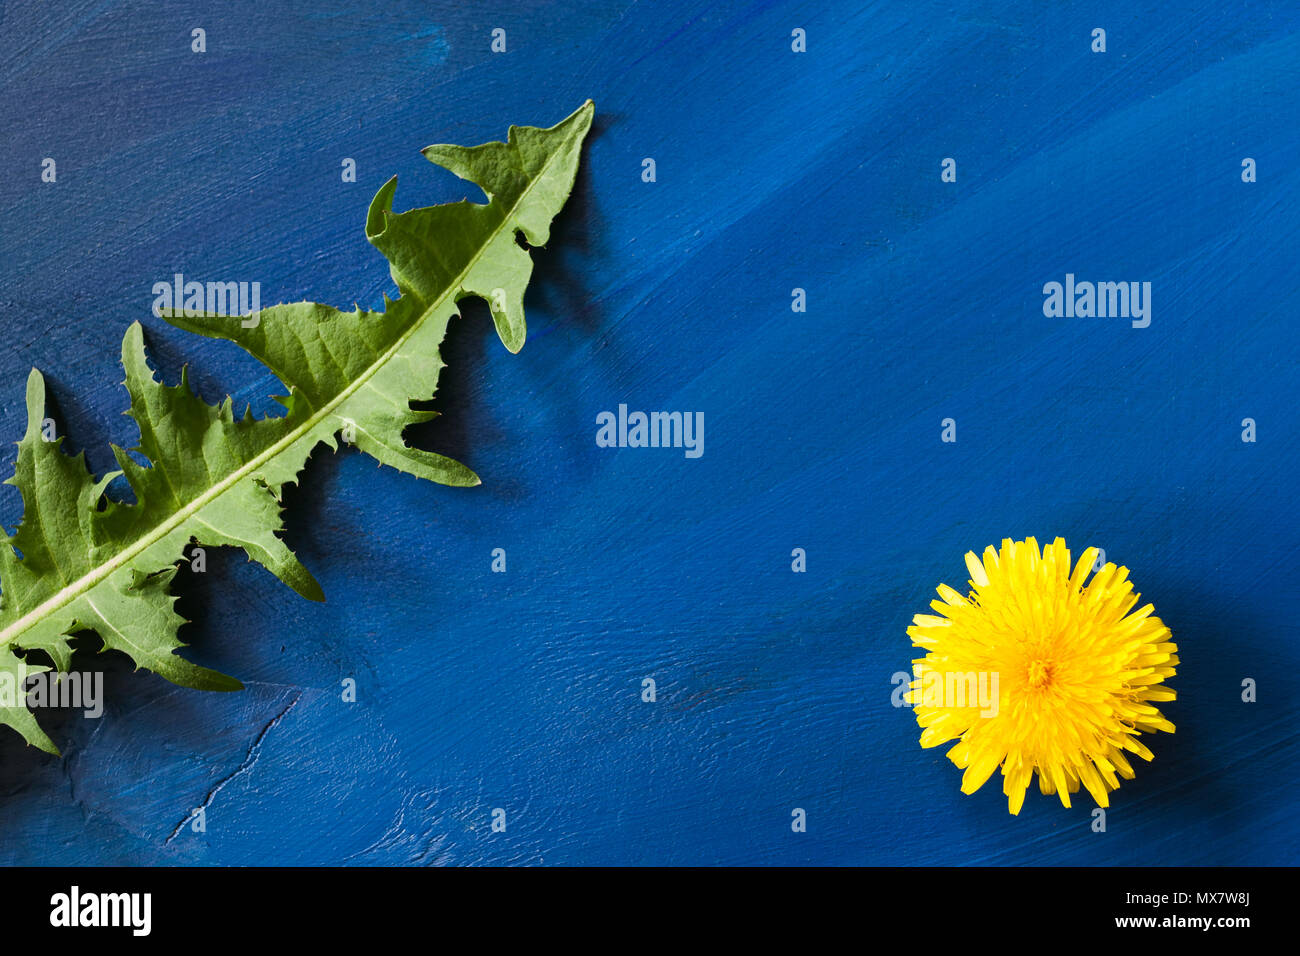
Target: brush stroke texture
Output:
[(775, 170)]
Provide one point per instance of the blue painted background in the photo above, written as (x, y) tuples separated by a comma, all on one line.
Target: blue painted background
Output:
[(776, 170)]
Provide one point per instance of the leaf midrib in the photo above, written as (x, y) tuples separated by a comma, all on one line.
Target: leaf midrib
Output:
[(98, 575)]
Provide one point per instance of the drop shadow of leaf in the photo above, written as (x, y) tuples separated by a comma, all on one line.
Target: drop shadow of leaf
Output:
[(559, 268), (462, 418), (558, 300)]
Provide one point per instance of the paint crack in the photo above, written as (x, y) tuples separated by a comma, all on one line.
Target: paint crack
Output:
[(250, 758)]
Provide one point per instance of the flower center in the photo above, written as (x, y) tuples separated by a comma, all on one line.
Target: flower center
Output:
[(1040, 673)]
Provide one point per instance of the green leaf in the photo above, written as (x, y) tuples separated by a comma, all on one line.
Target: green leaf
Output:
[(360, 370), (79, 561)]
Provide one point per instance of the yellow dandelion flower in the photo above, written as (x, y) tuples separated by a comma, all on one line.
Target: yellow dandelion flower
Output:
[(1037, 672)]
